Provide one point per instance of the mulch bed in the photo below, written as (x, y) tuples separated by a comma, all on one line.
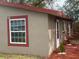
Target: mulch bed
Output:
[(72, 52)]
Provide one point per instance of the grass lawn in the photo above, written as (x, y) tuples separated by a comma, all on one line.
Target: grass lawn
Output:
[(16, 56)]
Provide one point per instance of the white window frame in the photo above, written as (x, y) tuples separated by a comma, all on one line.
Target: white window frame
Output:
[(17, 31)]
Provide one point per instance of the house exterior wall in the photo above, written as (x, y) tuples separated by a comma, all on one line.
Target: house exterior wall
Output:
[(64, 29), (62, 24), (37, 32), (52, 33)]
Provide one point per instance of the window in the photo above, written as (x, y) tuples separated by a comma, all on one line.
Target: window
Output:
[(18, 30)]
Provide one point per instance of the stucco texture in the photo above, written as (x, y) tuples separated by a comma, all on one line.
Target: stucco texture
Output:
[(37, 32), (52, 33)]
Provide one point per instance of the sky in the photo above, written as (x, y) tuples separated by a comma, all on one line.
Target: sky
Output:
[(59, 3)]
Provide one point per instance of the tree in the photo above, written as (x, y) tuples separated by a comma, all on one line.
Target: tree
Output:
[(35, 3), (50, 3), (71, 8), (41, 3)]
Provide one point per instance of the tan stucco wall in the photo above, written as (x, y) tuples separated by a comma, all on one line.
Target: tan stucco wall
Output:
[(61, 29), (52, 33), (38, 32)]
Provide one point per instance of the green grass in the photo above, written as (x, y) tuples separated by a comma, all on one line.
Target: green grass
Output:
[(16, 56)]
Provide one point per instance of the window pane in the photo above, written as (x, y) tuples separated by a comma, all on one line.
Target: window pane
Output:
[(18, 25), (23, 27), (18, 36), (12, 34), (15, 39), (20, 40), (12, 39), (23, 40)]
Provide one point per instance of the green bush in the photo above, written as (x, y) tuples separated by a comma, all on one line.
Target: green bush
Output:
[(61, 48)]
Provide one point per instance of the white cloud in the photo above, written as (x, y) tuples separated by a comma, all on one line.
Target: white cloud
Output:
[(58, 3)]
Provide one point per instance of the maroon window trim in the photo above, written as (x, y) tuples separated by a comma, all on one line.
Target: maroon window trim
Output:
[(27, 41)]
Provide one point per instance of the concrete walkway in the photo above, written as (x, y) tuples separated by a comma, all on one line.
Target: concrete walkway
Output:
[(72, 52)]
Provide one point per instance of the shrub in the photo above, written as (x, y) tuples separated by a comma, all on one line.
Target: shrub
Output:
[(61, 48)]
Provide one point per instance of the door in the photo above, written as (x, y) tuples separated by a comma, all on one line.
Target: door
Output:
[(57, 34)]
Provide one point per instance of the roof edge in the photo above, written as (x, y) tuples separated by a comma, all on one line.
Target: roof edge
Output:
[(31, 8)]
